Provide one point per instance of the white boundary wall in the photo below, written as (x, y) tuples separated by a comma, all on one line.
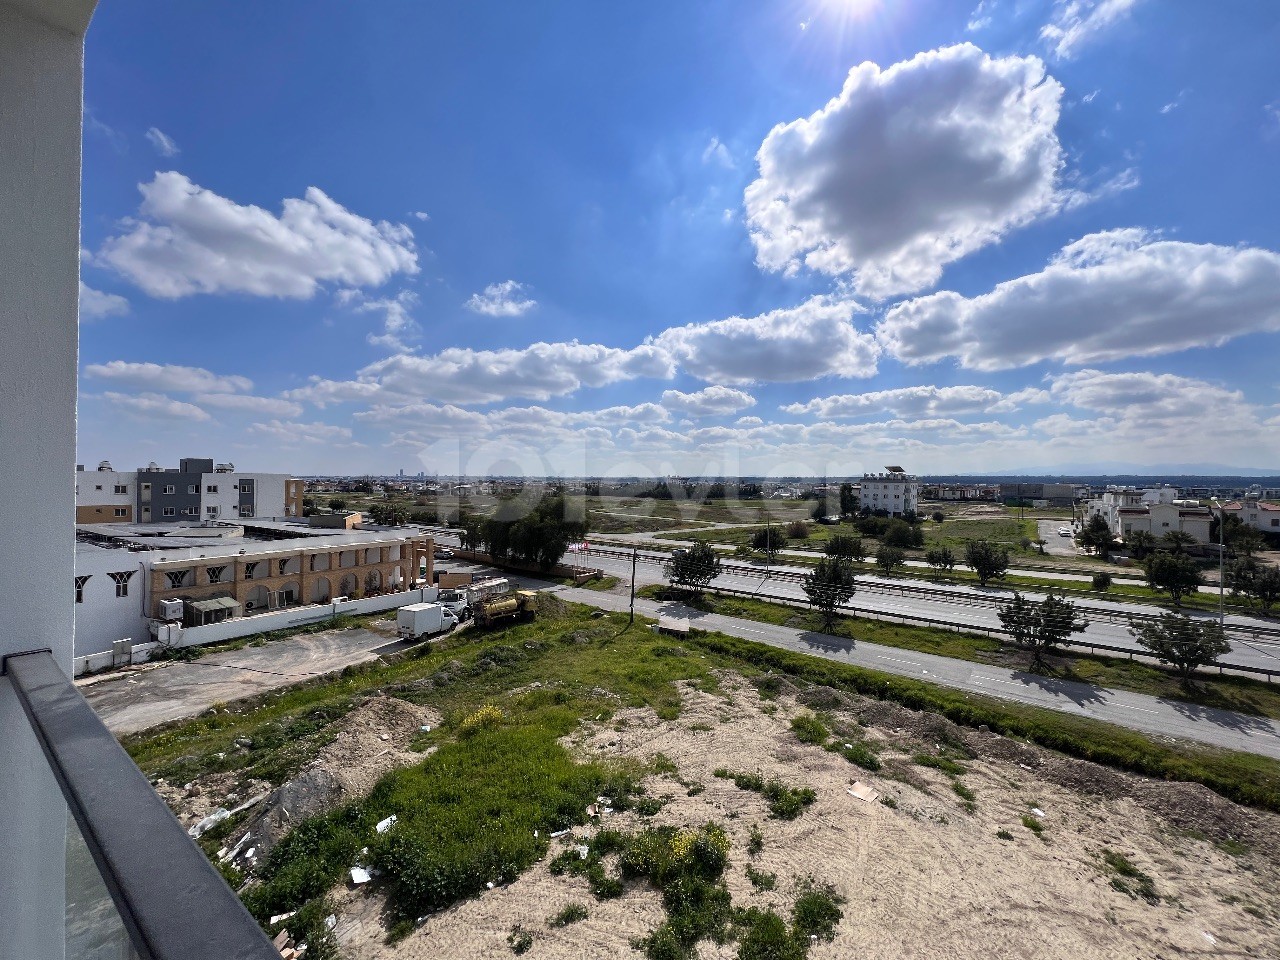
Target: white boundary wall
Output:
[(261, 623)]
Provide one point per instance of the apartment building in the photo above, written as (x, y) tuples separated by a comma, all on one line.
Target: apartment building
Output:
[(1157, 519), (196, 489), (1255, 512), (894, 491), (127, 576)]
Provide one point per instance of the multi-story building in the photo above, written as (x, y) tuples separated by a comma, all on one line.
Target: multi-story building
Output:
[(1257, 513), (894, 491), (127, 577), (196, 490), (1038, 493), (1157, 519)]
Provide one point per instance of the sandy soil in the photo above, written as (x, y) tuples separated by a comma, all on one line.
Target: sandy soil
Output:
[(926, 879)]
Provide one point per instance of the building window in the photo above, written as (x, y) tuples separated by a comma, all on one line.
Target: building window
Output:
[(176, 578), (146, 487), (246, 510), (193, 488), (249, 568), (215, 573), (97, 486), (122, 581), (211, 511), (170, 512), (121, 488), (211, 488), (191, 511), (170, 488), (80, 582), (284, 566), (121, 511)]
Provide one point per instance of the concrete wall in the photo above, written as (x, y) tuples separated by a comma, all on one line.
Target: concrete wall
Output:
[(41, 71)]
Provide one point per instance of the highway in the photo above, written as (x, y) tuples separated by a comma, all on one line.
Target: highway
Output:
[(1167, 720)]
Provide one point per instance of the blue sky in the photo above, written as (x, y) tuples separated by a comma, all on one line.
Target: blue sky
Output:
[(769, 238)]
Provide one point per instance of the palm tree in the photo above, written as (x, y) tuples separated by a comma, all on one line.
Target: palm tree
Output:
[(1176, 541)]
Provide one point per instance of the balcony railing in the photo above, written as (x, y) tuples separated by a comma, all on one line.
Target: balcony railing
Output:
[(137, 886)]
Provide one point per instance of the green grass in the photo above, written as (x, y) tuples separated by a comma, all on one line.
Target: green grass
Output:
[(601, 583), (809, 729), (1032, 824), (1127, 878), (1241, 694), (785, 802), (571, 913), (955, 534)]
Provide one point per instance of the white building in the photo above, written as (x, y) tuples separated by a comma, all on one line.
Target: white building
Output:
[(1256, 513), (195, 490), (894, 491), (1158, 519)]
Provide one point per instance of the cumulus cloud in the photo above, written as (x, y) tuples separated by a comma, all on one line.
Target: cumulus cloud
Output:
[(398, 325), (812, 340), (246, 403), (921, 401), (1153, 398), (187, 240), (291, 432), (1076, 23), (980, 19), (713, 401), (462, 375), (155, 406), (95, 304), (908, 169), (506, 299), (162, 142), (1109, 295), (167, 377)]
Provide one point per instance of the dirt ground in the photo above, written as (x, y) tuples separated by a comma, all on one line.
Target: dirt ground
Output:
[(925, 879)]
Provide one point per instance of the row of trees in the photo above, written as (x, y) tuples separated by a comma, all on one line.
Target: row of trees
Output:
[(539, 536)]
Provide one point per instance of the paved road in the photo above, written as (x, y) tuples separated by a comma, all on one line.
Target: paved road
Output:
[(1055, 543), (135, 701), (1167, 720)]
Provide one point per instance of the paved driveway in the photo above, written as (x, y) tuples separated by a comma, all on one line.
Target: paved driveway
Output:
[(135, 701), (1057, 545)]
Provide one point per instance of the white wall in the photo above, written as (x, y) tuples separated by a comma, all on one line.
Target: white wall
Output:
[(87, 494), (41, 61), (104, 618), (269, 494)]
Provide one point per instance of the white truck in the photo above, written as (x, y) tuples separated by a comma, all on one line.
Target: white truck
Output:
[(417, 620)]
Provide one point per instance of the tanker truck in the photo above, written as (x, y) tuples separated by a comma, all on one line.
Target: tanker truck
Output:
[(508, 606)]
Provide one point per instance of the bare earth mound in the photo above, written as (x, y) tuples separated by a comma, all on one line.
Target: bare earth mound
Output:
[(927, 878)]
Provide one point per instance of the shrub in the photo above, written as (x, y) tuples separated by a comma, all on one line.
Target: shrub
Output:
[(816, 911), (785, 803), (1101, 582), (1129, 879), (483, 719), (945, 764), (858, 753), (755, 842), (963, 792), (1032, 824), (519, 939), (890, 802), (809, 729), (761, 880), (937, 516), (798, 530), (769, 939), (572, 913), (1004, 835)]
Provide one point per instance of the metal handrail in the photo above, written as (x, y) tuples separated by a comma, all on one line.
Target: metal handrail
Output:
[(173, 903)]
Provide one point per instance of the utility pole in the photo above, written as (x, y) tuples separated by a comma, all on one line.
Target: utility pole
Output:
[(633, 586), (1222, 550)]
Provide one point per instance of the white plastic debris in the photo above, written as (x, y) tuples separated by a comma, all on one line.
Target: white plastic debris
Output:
[(425, 728), (559, 833), (280, 917), (489, 885), (330, 922), (359, 875), (1037, 811), (385, 825), (209, 822), (251, 852), (582, 851)]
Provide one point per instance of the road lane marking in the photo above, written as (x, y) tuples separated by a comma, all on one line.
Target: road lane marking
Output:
[(910, 663)]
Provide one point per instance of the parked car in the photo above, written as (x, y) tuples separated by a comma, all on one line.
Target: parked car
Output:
[(1064, 531), (444, 553)]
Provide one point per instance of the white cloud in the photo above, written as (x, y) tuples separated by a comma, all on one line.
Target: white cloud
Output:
[(1175, 103), (242, 402), (189, 240), (95, 304), (812, 340), (921, 401), (717, 153), (162, 142), (421, 215), (1088, 97), (1115, 294), (980, 19), (169, 378), (1150, 398), (398, 325), (1076, 23), (155, 406), (291, 432), (506, 299), (713, 401), (908, 169), (462, 375)]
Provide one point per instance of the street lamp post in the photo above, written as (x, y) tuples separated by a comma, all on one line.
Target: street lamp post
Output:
[(1222, 552)]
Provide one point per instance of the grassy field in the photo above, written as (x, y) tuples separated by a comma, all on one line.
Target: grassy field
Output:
[(497, 750), (1242, 694)]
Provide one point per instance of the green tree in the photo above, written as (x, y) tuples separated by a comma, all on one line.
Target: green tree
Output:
[(1243, 539), (1266, 586), (1140, 544), (1101, 582), (830, 585), (900, 533), (1175, 541), (1041, 626), (846, 547), (798, 530), (848, 500), (940, 558), (471, 531), (538, 536), (769, 540), (989, 561), (1172, 573), (694, 568), (938, 516), (1183, 643), (889, 558), (1096, 536), (391, 514), (337, 503)]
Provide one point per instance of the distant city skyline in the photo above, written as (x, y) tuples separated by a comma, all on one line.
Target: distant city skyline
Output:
[(813, 236)]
